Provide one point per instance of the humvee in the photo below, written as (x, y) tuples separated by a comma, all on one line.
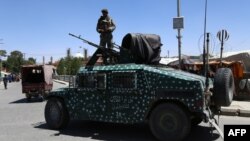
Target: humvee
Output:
[(170, 101)]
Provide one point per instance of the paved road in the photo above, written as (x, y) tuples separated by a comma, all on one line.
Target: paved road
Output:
[(22, 121)]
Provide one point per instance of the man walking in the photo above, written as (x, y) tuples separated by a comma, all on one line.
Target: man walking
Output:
[(5, 81)]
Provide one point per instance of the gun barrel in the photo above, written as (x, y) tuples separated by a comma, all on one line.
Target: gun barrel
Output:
[(74, 35), (88, 42), (78, 37), (106, 52), (93, 44)]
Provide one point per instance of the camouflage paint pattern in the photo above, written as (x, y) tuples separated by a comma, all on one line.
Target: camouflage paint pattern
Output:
[(131, 105)]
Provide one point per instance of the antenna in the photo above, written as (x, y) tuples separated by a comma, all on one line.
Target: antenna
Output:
[(206, 50), (204, 40)]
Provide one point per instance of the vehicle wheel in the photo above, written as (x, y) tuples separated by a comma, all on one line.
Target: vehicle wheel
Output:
[(169, 122), (56, 114), (41, 98), (248, 85), (28, 97), (242, 84), (223, 87), (196, 121)]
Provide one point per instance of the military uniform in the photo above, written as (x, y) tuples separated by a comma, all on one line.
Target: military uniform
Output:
[(105, 27)]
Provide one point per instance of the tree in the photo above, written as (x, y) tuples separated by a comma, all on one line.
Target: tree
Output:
[(75, 65), (69, 65), (61, 69), (30, 61), (3, 53), (15, 61)]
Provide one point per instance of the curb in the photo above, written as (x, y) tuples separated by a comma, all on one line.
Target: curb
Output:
[(245, 113), (231, 111), (61, 82)]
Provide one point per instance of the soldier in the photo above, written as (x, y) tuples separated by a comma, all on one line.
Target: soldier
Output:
[(105, 26)]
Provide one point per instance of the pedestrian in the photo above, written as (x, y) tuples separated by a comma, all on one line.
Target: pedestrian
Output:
[(5, 81), (105, 26)]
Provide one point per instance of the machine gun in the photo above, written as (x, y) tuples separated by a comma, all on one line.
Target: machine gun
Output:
[(109, 56), (136, 48)]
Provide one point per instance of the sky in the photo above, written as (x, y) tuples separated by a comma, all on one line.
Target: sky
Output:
[(40, 28)]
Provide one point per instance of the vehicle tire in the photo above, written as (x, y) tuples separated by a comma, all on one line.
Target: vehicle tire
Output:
[(56, 114), (169, 122), (41, 98), (242, 84), (28, 97), (196, 121), (248, 85), (223, 87)]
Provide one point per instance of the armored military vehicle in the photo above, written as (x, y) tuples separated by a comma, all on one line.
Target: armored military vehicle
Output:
[(136, 89)]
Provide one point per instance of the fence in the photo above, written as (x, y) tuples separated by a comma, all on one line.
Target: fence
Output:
[(66, 78)]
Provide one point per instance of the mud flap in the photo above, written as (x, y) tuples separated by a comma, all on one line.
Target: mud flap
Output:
[(212, 122)]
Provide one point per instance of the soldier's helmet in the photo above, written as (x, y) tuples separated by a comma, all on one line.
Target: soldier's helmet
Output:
[(105, 10)]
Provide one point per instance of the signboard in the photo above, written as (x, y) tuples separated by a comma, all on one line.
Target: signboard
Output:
[(223, 35), (178, 23)]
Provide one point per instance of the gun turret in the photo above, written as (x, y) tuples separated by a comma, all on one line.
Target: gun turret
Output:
[(136, 48), (109, 56)]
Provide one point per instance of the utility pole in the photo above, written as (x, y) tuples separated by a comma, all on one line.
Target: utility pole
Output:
[(85, 54), (1, 61), (68, 52), (51, 60), (43, 60), (178, 24), (179, 34)]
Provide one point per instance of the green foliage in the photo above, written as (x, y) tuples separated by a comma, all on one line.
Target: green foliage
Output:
[(15, 61), (61, 69), (69, 65), (75, 65), (2, 63), (3, 53), (30, 61)]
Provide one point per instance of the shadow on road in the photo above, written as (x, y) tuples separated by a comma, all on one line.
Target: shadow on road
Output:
[(117, 132), (3, 89), (24, 100)]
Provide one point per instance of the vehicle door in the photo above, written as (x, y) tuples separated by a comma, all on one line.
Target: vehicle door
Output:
[(122, 96), (91, 94)]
